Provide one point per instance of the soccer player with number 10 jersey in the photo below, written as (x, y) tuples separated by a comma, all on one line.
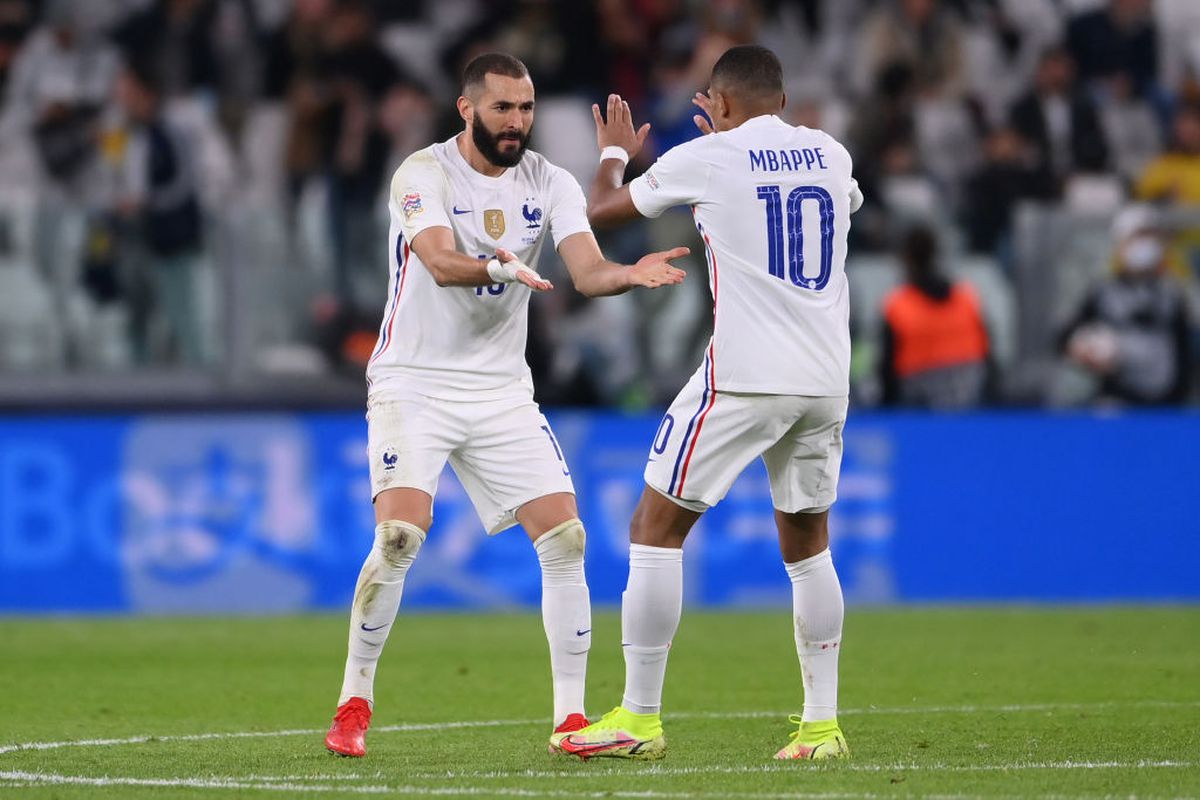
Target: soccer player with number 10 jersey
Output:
[(772, 203)]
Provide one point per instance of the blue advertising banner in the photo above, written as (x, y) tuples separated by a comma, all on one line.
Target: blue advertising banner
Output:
[(271, 513)]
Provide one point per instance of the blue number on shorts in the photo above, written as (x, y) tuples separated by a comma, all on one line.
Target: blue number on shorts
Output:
[(557, 451), (795, 234), (664, 434), (494, 289)]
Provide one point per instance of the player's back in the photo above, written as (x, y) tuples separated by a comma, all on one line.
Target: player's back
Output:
[(772, 202)]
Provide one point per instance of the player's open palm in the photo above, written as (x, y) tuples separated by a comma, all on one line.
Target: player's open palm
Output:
[(615, 129), (655, 269), (522, 273)]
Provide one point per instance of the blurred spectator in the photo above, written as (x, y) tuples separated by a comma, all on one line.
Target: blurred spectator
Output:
[(61, 79), (1060, 121), (1132, 129), (935, 342), (1008, 175), (1132, 330), (358, 74), (158, 198), (1119, 39), (1005, 40), (58, 86), (194, 47), (1174, 176), (923, 35), (293, 72), (15, 18)]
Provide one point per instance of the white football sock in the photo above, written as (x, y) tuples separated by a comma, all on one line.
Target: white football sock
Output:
[(376, 601), (566, 614), (650, 611), (818, 610)]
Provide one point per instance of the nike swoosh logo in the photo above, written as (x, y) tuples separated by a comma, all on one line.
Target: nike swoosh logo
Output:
[(581, 633), (457, 210), (591, 748), (372, 630)]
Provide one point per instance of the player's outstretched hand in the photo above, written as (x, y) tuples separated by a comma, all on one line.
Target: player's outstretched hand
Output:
[(616, 129), (521, 272), (655, 269), (702, 120)]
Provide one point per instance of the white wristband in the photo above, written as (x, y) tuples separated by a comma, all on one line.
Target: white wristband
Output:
[(507, 272), (615, 151)]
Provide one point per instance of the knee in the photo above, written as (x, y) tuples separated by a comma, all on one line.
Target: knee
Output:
[(565, 542), (398, 542), (662, 522)]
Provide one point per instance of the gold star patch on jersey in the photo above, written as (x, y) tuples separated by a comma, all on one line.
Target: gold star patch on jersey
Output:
[(493, 222)]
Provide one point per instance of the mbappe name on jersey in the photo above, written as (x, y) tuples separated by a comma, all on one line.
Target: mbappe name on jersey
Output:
[(806, 158)]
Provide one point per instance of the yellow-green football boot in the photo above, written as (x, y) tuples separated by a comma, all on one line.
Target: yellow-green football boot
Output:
[(618, 734), (814, 741)]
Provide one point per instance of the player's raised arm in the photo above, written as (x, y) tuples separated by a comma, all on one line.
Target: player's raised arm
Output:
[(595, 276), (609, 203), (435, 248)]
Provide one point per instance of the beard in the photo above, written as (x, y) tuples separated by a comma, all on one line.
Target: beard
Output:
[(488, 144)]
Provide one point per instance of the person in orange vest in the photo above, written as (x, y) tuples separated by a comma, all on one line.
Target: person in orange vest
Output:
[(935, 341)]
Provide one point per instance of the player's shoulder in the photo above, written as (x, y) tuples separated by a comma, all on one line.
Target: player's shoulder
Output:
[(827, 139), (422, 166)]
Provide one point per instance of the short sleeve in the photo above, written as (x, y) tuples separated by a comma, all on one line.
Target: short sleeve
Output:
[(568, 206), (418, 196), (678, 178)]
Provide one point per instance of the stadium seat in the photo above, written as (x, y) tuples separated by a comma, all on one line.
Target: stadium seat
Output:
[(30, 338)]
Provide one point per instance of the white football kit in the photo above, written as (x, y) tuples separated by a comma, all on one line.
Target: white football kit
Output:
[(448, 378), (772, 203)]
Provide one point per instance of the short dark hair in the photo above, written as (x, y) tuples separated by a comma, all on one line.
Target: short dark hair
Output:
[(491, 64), (749, 70)]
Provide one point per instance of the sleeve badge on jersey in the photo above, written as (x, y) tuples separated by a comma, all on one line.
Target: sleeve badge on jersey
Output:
[(411, 205), (651, 181)]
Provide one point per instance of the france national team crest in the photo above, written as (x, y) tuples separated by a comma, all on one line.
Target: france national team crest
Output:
[(493, 222), (533, 216)]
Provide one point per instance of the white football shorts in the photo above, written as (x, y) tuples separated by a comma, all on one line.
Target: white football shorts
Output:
[(502, 450), (708, 438)]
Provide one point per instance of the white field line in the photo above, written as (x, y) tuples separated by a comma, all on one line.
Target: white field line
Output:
[(34, 779), (962, 709), (434, 726), (658, 770), (197, 737), (17, 780)]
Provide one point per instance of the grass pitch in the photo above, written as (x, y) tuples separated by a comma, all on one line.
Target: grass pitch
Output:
[(965, 702)]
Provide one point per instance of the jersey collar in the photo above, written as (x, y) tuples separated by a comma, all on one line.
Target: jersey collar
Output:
[(475, 175)]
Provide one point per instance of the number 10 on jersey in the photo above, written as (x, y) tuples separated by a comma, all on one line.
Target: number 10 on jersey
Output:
[(793, 245)]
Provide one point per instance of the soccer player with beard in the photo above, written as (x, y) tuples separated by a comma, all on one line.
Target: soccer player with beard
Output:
[(448, 379)]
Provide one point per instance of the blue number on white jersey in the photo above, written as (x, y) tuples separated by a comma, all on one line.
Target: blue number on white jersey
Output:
[(795, 234)]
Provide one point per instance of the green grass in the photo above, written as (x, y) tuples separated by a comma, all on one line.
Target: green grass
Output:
[(966, 702)]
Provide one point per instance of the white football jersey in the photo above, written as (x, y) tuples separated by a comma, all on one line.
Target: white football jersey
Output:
[(772, 203), (462, 342)]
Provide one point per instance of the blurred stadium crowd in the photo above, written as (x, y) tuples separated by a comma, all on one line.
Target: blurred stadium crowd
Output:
[(196, 186)]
